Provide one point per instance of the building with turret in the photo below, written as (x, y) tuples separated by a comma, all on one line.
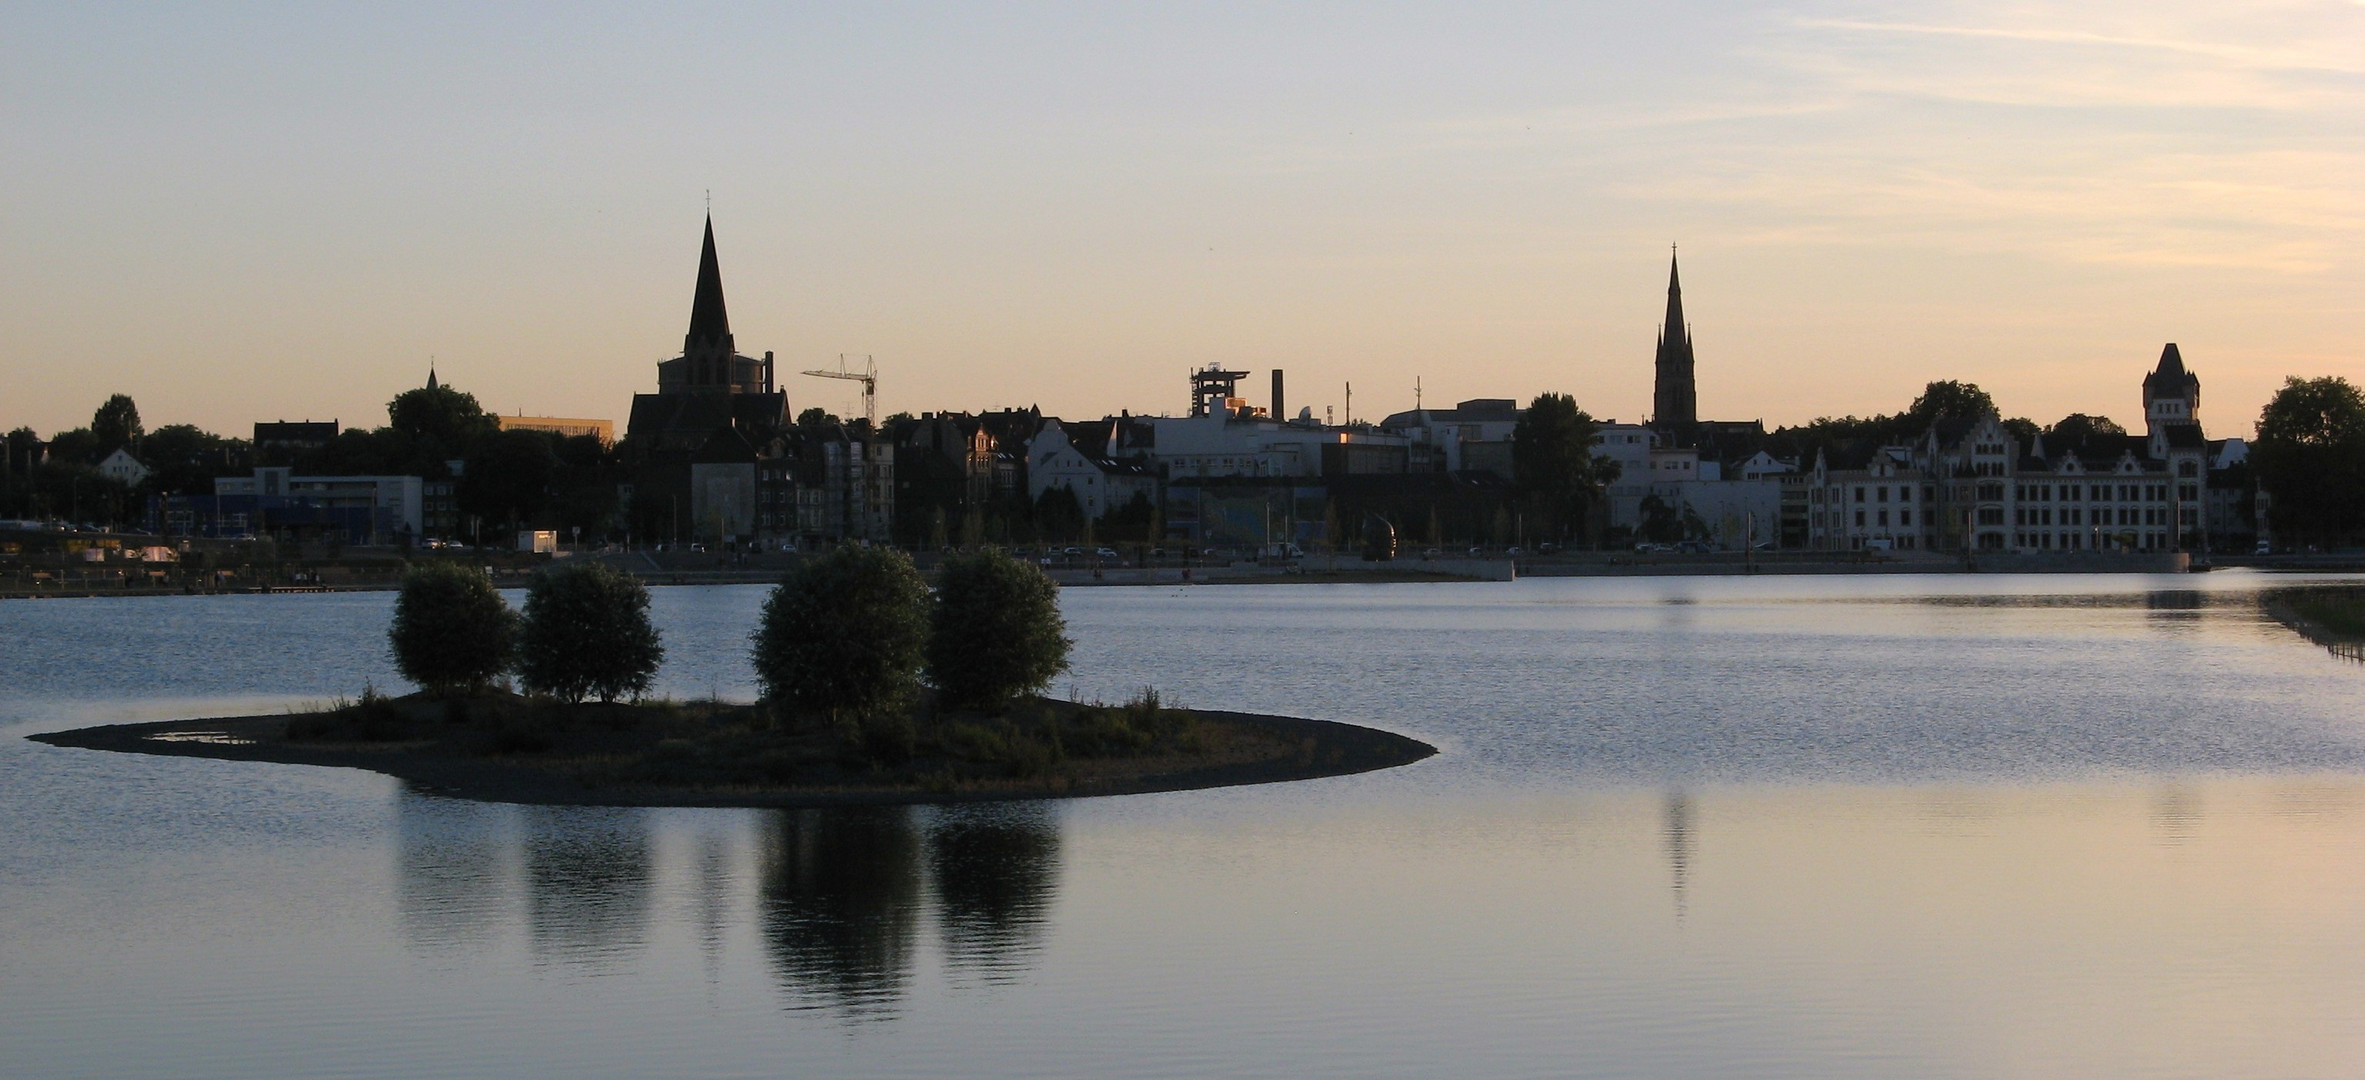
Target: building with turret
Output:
[(1972, 483)]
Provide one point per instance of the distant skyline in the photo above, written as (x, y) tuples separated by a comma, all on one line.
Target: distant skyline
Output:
[(243, 213)]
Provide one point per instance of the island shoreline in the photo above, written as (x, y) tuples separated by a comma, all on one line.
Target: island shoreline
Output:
[(1325, 748)]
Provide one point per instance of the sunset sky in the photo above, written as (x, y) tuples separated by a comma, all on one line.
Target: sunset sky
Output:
[(244, 213)]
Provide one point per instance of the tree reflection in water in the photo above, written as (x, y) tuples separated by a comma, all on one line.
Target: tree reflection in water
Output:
[(839, 905), (587, 882), (995, 869), (451, 871)]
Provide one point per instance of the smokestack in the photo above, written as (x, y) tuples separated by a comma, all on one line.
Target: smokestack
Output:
[(1278, 414)]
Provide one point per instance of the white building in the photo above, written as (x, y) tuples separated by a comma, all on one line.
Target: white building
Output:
[(1077, 460), (120, 465)]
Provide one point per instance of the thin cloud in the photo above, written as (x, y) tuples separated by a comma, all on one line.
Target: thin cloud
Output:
[(2256, 59)]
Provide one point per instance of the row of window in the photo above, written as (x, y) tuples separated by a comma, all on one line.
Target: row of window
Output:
[(2100, 515), (2078, 541), (1880, 518), (2101, 492), (1994, 492), (1879, 493)]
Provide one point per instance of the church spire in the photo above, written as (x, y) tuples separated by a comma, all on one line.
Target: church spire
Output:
[(1675, 402), (1674, 323), (710, 324), (431, 384)]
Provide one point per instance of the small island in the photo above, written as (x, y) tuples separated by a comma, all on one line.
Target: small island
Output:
[(878, 689), (510, 749)]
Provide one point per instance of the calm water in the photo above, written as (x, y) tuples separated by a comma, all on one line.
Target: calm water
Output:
[(1802, 827)]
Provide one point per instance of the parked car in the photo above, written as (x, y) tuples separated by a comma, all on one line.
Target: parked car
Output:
[(1513, 551), (1106, 553), (1071, 552), (1431, 553)]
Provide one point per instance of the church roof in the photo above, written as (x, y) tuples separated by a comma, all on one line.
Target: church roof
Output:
[(673, 421)]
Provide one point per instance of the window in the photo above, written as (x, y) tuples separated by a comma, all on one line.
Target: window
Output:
[(1884, 493), (1859, 519), (1904, 517), (1859, 497), (1884, 519), (2187, 492)]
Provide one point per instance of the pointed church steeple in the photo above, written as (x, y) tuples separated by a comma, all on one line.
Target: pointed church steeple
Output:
[(431, 384), (710, 323), (1675, 402)]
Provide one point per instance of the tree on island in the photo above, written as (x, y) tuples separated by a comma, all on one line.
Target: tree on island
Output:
[(2310, 456), (843, 636), (995, 632), (451, 631), (586, 633), (1552, 461)]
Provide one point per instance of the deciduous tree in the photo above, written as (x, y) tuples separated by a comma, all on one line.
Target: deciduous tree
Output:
[(451, 630), (995, 632), (586, 633), (1553, 463), (843, 636), (2310, 457)]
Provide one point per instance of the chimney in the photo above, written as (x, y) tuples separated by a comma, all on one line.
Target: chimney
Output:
[(1278, 413)]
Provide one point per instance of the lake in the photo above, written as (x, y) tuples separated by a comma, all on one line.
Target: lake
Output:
[(1925, 826)]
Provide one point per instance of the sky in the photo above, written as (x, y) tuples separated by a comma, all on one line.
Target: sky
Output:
[(244, 212)]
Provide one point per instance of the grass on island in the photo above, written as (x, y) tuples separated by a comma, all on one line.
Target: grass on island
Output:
[(723, 747)]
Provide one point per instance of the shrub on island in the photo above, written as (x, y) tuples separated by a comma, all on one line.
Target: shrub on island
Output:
[(451, 632), (995, 632), (586, 633), (842, 637)]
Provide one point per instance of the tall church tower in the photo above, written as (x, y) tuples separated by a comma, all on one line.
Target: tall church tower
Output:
[(1675, 399), (710, 360)]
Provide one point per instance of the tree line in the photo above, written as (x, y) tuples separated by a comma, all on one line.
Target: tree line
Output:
[(849, 639), (505, 479)]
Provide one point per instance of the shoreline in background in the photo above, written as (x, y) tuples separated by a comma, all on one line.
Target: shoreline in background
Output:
[(379, 573)]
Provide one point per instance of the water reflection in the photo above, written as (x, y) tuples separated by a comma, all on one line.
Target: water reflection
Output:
[(2176, 815), (710, 899), (839, 899), (1677, 831), (588, 882), (995, 870), (452, 871)]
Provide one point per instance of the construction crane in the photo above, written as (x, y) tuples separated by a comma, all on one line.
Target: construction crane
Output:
[(869, 378)]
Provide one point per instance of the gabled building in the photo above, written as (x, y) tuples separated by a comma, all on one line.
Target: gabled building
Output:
[(122, 467)]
